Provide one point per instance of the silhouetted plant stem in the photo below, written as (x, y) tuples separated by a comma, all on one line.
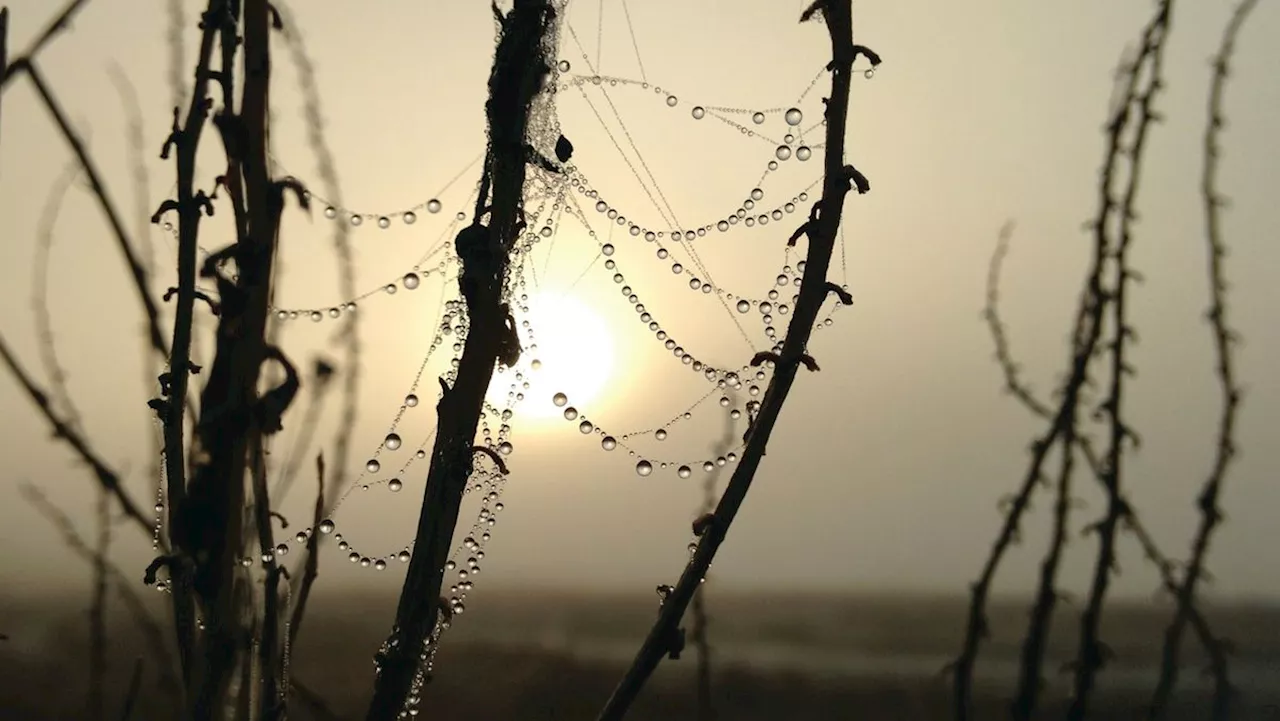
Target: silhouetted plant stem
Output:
[(701, 620), (1090, 319), (185, 140), (326, 169), (137, 273), (1027, 398), (520, 66), (107, 477), (311, 569), (131, 694), (4, 53), (1224, 338), (98, 610), (60, 22), (124, 585), (1093, 653), (665, 637)]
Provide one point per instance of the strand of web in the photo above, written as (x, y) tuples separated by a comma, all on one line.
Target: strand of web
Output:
[(693, 252)]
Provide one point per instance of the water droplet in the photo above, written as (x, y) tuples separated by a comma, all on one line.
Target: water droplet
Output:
[(783, 152), (758, 118), (505, 448), (793, 116), (563, 65), (560, 399), (433, 206), (372, 465), (282, 549), (608, 443), (411, 400), (684, 471), (757, 193), (331, 212), (395, 484), (326, 526), (356, 220), (644, 468), (403, 557), (722, 226), (743, 306), (334, 312), (671, 101), (392, 441), (699, 112), (301, 537), (724, 401), (607, 249), (803, 153), (410, 217), (384, 222), (570, 413), (411, 280), (660, 434), (870, 73), (708, 466), (586, 427), (316, 316)]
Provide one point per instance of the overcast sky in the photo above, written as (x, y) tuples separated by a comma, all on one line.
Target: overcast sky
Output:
[(886, 467)]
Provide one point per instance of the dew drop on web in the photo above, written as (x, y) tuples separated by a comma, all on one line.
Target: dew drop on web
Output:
[(559, 400), (644, 468)]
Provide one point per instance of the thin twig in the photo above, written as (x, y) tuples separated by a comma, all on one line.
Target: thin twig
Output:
[(131, 694), (1062, 420), (60, 22), (701, 620), (665, 637), (326, 170), (1224, 338), (98, 611), (40, 298), (125, 585), (62, 429), (1093, 653), (311, 570), (137, 273)]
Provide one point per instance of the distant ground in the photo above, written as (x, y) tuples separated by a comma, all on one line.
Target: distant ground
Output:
[(542, 656)]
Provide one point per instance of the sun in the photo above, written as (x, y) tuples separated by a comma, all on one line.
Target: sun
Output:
[(572, 354)]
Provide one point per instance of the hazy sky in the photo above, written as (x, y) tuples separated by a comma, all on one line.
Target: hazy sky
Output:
[(885, 470)]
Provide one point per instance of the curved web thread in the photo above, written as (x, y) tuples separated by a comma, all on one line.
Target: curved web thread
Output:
[(693, 253)]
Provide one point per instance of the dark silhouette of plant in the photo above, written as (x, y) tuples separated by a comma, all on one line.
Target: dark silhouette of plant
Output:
[(666, 638), (1224, 339), (520, 67), (1103, 309)]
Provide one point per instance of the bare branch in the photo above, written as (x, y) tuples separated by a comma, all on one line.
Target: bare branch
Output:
[(1224, 338)]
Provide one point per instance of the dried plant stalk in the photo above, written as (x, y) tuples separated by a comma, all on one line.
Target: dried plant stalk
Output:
[(519, 68), (1224, 339), (666, 637)]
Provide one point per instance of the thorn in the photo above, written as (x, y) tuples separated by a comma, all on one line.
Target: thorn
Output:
[(497, 460), (841, 293)]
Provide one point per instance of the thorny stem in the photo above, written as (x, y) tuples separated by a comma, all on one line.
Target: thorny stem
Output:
[(1015, 386), (518, 72), (665, 636), (1093, 654), (1223, 339), (186, 142), (1085, 338)]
